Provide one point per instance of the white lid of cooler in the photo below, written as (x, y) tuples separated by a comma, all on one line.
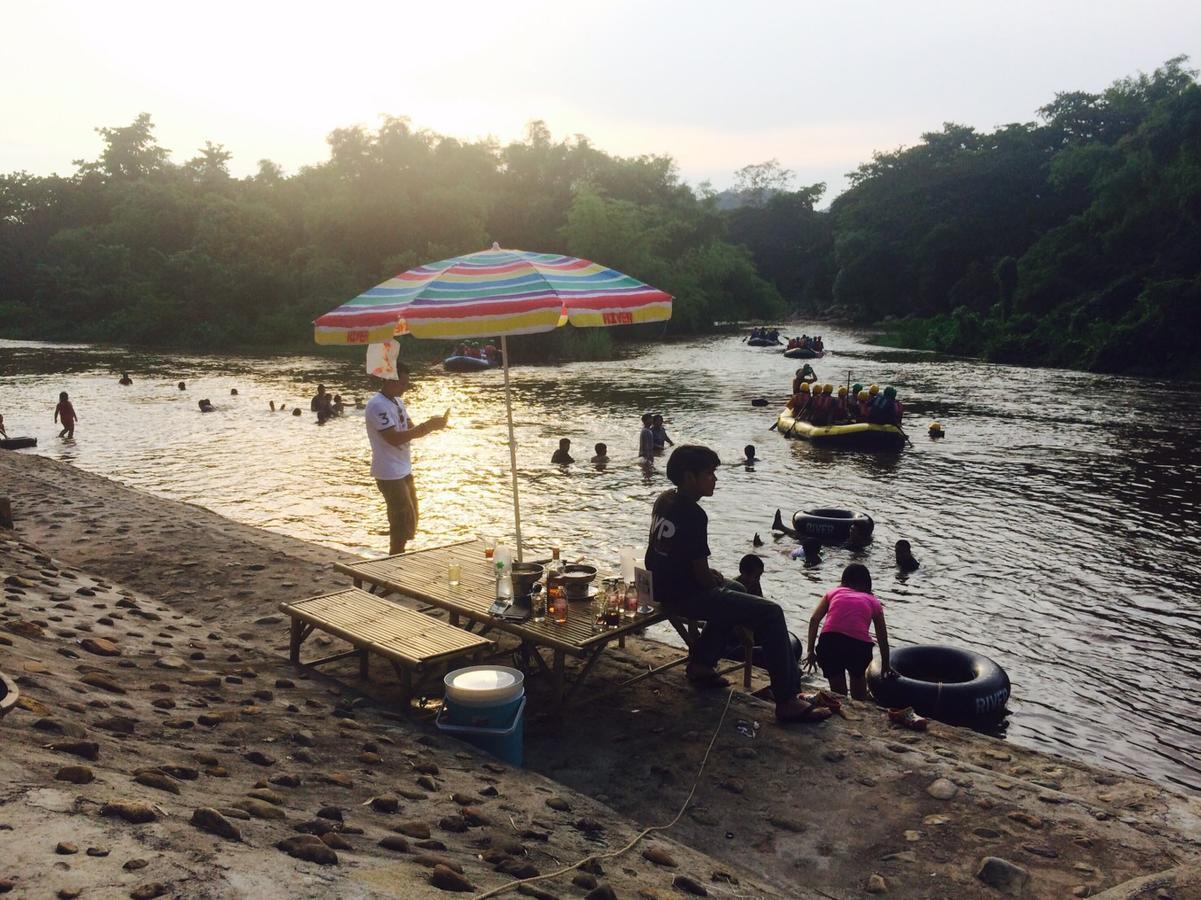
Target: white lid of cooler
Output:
[(481, 685), (482, 679)]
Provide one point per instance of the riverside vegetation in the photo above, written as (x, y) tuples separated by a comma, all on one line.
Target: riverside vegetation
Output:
[(1069, 241)]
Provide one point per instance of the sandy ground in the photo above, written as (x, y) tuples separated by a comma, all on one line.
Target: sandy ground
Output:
[(150, 629)]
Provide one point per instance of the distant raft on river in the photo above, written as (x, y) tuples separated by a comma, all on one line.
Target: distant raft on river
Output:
[(804, 353), (468, 364), (850, 434)]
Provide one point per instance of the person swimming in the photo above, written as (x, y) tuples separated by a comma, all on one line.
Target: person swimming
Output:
[(602, 455), (906, 561), (810, 550), (562, 456)]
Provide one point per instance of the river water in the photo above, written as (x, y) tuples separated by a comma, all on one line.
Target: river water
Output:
[(1057, 523)]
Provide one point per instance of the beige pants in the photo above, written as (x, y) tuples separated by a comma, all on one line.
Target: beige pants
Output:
[(400, 495)]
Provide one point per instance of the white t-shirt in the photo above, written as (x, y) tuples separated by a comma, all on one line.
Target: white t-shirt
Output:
[(388, 462)]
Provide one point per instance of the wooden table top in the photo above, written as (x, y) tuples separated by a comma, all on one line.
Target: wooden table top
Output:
[(422, 574)]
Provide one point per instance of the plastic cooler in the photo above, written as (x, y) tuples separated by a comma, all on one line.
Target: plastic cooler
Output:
[(485, 706)]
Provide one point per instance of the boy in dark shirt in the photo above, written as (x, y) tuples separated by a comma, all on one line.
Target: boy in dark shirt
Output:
[(677, 555), (562, 456)]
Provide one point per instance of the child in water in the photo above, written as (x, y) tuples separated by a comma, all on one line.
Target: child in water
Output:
[(750, 574), (562, 456), (67, 413), (811, 550), (659, 438), (602, 455), (905, 559), (845, 650)]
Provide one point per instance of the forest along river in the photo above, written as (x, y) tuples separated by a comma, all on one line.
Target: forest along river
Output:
[(1057, 523)]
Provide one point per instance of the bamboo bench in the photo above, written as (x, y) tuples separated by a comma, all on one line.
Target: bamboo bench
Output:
[(411, 641)]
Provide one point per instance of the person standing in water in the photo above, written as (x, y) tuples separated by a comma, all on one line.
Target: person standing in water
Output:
[(390, 431), (66, 412)]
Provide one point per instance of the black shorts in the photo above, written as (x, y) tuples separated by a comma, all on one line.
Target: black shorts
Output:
[(838, 653)]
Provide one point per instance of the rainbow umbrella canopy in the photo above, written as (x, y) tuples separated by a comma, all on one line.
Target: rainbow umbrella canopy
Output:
[(494, 293)]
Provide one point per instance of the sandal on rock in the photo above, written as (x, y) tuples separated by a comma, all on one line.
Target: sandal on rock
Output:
[(826, 699), (907, 718), (708, 681), (811, 713)]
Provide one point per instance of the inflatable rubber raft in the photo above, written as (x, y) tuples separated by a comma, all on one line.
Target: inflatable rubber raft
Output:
[(762, 342), (465, 364), (17, 443), (804, 353), (852, 434), (944, 683)]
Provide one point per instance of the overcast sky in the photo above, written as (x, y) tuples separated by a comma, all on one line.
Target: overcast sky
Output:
[(716, 85)]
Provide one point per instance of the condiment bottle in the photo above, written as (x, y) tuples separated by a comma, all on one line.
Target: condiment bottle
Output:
[(504, 582)]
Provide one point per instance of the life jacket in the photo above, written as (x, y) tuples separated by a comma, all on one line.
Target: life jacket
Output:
[(882, 411), (821, 409), (863, 409), (799, 403)]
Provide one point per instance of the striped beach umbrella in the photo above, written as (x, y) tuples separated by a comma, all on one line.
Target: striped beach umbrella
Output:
[(494, 293)]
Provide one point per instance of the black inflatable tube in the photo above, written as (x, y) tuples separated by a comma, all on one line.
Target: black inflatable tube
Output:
[(944, 683), (17, 443), (829, 525)]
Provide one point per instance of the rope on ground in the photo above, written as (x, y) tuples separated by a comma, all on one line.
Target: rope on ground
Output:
[(496, 892)]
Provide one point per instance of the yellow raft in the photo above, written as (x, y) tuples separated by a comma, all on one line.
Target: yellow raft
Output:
[(853, 434)]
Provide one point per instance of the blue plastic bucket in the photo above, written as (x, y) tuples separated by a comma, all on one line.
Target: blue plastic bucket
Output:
[(505, 740)]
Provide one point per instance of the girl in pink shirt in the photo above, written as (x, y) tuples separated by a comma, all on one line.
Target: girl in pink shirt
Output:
[(845, 648)]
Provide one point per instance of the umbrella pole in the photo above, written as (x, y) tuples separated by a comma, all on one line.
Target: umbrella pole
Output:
[(504, 353)]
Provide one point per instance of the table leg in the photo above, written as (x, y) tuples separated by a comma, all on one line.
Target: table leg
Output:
[(363, 663), (559, 677)]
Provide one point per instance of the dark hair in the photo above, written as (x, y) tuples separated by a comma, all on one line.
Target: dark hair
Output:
[(320, 388), (690, 458), (564, 442), (647, 418), (600, 449), (62, 395), (750, 563), (658, 416), (749, 450), (811, 546), (903, 545), (858, 577)]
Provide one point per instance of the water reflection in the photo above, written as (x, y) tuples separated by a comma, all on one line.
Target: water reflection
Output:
[(1056, 523)]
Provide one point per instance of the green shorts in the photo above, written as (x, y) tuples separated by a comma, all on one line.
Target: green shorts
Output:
[(400, 495)]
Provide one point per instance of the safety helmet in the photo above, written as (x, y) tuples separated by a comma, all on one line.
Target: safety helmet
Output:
[(842, 392), (855, 389), (804, 387), (873, 390), (862, 395), (890, 392)]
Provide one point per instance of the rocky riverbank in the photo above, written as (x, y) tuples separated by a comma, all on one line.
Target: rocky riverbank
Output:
[(164, 746)]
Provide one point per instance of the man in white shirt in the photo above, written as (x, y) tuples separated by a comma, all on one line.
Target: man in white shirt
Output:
[(390, 430)]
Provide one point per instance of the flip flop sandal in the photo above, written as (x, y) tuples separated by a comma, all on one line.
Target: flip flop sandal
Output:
[(710, 681), (811, 713), (907, 718), (828, 700)]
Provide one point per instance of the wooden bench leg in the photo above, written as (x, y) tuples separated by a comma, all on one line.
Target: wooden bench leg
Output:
[(297, 637)]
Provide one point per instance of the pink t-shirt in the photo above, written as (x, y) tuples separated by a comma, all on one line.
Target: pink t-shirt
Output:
[(851, 613)]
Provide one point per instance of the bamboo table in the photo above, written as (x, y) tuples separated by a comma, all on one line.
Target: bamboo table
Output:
[(422, 575)]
